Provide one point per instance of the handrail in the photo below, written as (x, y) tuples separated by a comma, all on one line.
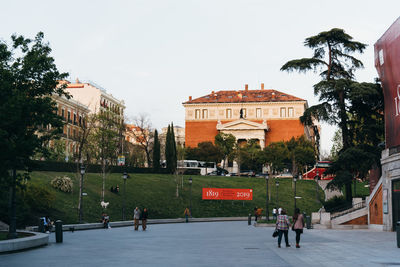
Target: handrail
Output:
[(354, 207)]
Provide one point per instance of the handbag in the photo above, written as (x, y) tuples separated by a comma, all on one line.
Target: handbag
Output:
[(275, 233)]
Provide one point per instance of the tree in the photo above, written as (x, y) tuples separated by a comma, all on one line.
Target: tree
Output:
[(333, 56), (156, 153), (170, 150), (337, 145), (144, 135), (28, 78), (226, 143), (300, 153), (250, 156), (274, 155), (105, 140)]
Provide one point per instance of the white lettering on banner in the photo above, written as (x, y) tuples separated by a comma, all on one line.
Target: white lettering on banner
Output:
[(243, 194), (211, 193), (397, 101)]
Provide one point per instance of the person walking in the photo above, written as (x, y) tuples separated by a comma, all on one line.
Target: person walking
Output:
[(283, 224), (298, 225), (136, 218), (274, 211), (144, 219), (187, 214), (255, 214)]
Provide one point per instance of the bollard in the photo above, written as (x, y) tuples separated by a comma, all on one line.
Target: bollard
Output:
[(59, 231), (308, 222), (249, 219), (398, 234), (41, 226)]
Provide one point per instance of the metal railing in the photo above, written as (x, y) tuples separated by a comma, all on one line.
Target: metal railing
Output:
[(350, 209)]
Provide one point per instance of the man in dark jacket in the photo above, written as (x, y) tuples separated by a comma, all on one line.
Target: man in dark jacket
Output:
[(144, 219)]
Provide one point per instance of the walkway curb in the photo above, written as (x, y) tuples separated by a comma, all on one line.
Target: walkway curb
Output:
[(11, 245), (89, 226)]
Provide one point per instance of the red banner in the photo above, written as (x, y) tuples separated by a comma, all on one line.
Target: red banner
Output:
[(227, 194), (387, 62)]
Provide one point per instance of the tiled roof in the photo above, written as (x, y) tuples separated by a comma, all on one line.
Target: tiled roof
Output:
[(243, 96)]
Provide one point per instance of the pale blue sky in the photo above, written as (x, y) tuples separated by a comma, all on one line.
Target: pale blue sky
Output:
[(154, 54)]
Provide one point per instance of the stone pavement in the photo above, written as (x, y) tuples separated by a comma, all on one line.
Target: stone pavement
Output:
[(210, 244)]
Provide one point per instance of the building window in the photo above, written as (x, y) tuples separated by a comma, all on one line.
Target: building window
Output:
[(197, 114), (68, 132), (205, 113), (283, 112), (290, 112), (63, 113), (75, 118), (244, 112), (258, 113), (228, 113), (69, 116)]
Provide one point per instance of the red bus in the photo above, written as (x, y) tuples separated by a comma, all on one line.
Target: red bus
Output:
[(319, 170)]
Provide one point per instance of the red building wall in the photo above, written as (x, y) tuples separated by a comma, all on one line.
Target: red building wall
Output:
[(279, 130), (375, 208)]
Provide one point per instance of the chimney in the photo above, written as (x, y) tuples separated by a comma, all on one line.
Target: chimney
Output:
[(77, 80), (190, 98), (262, 86), (246, 87), (212, 92), (273, 95)]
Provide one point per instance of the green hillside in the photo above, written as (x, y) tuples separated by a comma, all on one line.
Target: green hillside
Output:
[(157, 192)]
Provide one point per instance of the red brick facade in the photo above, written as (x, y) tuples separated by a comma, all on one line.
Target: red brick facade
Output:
[(280, 130), (375, 208)]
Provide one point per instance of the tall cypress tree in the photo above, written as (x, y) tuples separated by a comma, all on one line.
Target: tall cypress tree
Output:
[(173, 146), (156, 153), (168, 150)]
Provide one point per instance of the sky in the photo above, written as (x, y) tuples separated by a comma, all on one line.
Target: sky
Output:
[(155, 54)]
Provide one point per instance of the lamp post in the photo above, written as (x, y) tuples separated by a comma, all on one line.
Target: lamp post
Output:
[(316, 186), (81, 194), (295, 180), (124, 175), (266, 197), (190, 205), (277, 185)]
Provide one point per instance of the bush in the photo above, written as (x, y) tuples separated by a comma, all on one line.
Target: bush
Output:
[(62, 183), (336, 204)]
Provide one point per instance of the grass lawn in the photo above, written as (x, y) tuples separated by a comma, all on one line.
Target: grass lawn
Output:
[(157, 192)]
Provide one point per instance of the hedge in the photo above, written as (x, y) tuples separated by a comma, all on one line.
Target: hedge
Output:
[(56, 166)]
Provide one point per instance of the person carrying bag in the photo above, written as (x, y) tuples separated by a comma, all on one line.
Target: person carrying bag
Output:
[(298, 225)]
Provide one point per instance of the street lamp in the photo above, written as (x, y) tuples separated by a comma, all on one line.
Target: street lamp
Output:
[(316, 186), (124, 175), (266, 198), (277, 185), (190, 206), (81, 194), (295, 180)]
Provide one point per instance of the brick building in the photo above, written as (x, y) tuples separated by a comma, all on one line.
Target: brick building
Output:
[(263, 114)]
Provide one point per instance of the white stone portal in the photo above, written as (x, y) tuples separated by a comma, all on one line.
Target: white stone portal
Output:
[(244, 129)]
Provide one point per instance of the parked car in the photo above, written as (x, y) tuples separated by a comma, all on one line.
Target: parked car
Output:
[(249, 173), (231, 174), (285, 175)]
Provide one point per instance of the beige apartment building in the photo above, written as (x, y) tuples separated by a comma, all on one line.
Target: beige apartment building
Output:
[(74, 114), (96, 98)]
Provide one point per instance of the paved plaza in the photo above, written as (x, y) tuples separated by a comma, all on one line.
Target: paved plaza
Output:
[(211, 244)]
